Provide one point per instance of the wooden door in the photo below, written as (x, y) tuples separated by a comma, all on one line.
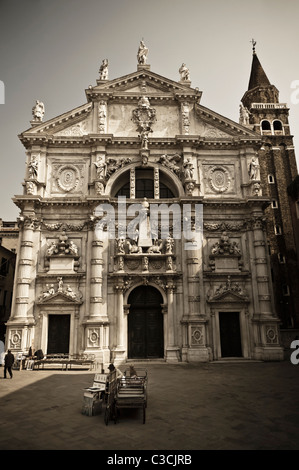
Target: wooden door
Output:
[(145, 323), (58, 334), (230, 335)]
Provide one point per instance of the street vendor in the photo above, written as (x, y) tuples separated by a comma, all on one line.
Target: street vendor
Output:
[(119, 373)]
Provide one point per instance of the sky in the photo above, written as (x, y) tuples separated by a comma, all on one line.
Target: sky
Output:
[(51, 50)]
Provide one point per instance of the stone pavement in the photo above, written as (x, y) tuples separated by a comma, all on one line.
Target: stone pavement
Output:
[(211, 406)]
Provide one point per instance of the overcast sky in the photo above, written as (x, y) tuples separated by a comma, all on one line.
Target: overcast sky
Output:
[(51, 50)]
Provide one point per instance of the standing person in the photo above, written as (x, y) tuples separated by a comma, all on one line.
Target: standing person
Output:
[(8, 362)]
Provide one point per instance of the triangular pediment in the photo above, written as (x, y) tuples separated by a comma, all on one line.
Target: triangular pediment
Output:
[(59, 298), (228, 296), (74, 122), (211, 125), (139, 82)]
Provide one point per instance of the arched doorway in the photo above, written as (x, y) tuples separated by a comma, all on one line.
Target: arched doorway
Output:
[(145, 324)]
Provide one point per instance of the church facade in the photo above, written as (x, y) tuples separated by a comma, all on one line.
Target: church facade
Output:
[(92, 280)]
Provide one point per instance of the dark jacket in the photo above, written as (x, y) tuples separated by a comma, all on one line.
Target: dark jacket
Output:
[(9, 359)]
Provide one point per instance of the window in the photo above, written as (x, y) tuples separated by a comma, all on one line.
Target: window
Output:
[(266, 127), (281, 258), (274, 204), (277, 230), (140, 183), (277, 127), (271, 179)]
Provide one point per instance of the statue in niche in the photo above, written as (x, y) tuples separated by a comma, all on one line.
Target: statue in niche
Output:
[(38, 111), (188, 169), (100, 167), (33, 167), (104, 70), (253, 169), (184, 72), (142, 53), (244, 115)]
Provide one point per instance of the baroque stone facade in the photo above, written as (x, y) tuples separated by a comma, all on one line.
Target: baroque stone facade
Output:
[(148, 139)]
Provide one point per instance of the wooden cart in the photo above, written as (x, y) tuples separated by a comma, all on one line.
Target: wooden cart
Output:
[(131, 393)]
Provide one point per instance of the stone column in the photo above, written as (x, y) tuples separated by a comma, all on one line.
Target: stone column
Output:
[(119, 351), (268, 342), (23, 278), (96, 280), (171, 348), (262, 272), (21, 319)]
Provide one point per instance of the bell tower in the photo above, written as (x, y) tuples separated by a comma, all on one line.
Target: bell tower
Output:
[(268, 117)]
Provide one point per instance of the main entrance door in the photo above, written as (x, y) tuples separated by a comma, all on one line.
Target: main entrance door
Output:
[(230, 335), (145, 323), (58, 334)]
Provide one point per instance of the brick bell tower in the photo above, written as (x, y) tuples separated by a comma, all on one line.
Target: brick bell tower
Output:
[(267, 116)]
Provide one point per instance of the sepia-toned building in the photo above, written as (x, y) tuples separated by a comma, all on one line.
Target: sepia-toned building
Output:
[(177, 295)]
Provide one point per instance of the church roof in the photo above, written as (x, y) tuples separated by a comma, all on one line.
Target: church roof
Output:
[(258, 77)]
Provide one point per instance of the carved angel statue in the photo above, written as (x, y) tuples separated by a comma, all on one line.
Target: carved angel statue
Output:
[(73, 248), (184, 72), (52, 249), (104, 70), (171, 162), (142, 53), (38, 111)]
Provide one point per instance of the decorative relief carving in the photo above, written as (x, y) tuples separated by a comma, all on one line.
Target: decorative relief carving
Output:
[(51, 292), (144, 117), (185, 117), (218, 178), (77, 130), (197, 335), (93, 337), (15, 339), (102, 117), (228, 288), (215, 226), (271, 334), (31, 188), (67, 178), (225, 246)]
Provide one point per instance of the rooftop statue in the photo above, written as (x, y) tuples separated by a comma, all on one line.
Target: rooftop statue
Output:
[(142, 53), (104, 70), (38, 111), (184, 72)]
